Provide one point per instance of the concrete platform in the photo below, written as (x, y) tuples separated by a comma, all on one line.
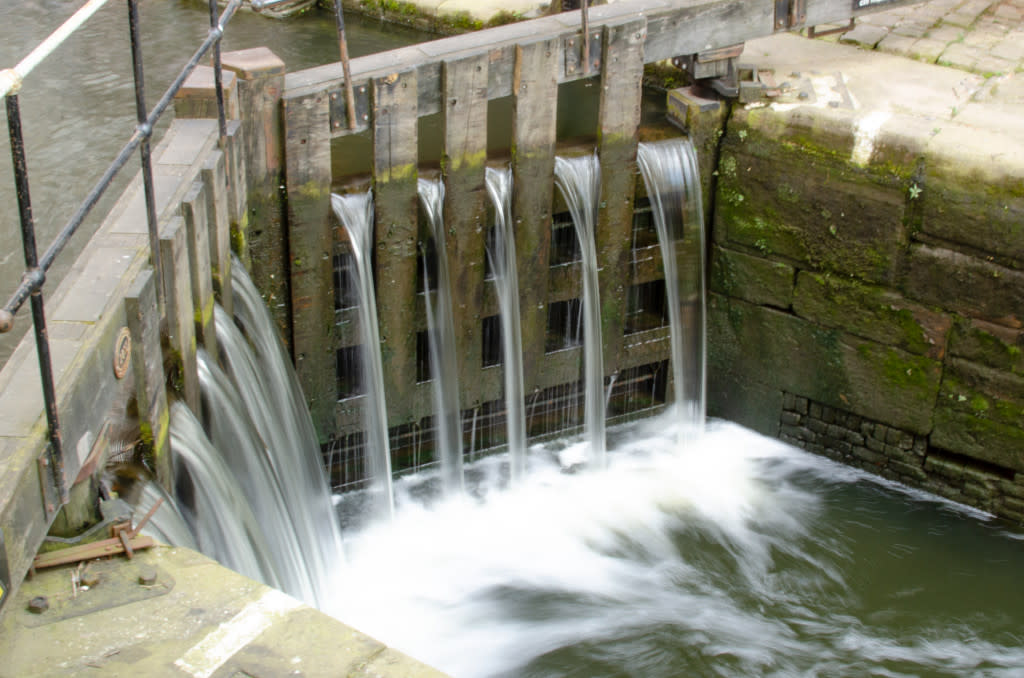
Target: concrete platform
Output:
[(173, 612)]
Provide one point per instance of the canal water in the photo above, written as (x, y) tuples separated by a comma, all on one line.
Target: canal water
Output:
[(734, 556), (78, 107)]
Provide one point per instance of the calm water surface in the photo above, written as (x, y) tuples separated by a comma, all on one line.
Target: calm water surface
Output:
[(78, 107)]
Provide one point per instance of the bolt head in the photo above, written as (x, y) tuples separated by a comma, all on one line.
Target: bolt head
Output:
[(147, 576), (38, 605)]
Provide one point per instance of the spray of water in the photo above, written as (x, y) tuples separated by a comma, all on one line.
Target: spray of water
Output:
[(444, 361), (356, 214), (501, 253), (579, 180), (672, 178)]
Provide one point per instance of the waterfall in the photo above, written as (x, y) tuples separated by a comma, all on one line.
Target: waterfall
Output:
[(444, 361), (286, 426), (501, 252), (672, 178), (234, 434), (356, 214), (168, 525), (218, 508), (579, 180)]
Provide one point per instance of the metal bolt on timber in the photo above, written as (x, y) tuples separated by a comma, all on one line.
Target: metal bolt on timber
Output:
[(38, 605)]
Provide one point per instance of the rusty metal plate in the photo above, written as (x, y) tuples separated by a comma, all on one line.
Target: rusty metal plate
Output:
[(115, 582), (572, 48), (338, 108)]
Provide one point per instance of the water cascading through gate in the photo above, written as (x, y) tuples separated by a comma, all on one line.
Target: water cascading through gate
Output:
[(444, 373), (672, 178), (356, 215), (501, 253), (579, 180)]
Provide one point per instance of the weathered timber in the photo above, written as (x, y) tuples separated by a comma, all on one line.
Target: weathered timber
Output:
[(618, 120), (465, 156), (533, 168), (177, 284), (194, 212), (395, 134), (310, 244), (673, 28), (215, 181), (260, 237), (147, 363)]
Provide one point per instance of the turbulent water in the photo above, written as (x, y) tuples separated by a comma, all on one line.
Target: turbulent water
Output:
[(739, 557)]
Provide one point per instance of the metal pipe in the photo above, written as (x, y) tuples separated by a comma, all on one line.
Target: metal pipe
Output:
[(144, 153), (584, 17), (350, 104), (222, 124), (143, 131), (28, 241), (10, 79)]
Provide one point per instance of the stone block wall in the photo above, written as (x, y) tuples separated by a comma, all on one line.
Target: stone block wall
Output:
[(868, 304)]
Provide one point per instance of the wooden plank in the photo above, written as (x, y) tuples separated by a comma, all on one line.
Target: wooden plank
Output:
[(177, 285), (396, 214), (215, 180), (535, 86), (675, 27), (618, 120), (143, 316), (260, 232), (194, 211), (465, 214), (310, 245)]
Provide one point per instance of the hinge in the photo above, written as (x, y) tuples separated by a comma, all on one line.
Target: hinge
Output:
[(790, 14)]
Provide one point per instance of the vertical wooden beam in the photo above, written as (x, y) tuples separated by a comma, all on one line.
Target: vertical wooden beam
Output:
[(194, 211), (535, 95), (215, 181), (395, 129), (464, 84), (148, 372), (619, 117), (310, 242), (181, 329), (260, 237)]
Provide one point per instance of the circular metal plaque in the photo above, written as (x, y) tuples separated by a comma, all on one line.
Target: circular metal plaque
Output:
[(122, 353)]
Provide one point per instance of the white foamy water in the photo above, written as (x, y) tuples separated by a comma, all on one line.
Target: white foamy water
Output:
[(739, 556)]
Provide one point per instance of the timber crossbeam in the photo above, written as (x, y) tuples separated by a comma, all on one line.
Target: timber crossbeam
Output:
[(673, 28)]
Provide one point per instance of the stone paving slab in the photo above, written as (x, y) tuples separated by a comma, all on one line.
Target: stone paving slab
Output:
[(980, 36), (194, 619)]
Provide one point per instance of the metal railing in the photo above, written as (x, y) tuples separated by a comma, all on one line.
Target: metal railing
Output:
[(36, 267)]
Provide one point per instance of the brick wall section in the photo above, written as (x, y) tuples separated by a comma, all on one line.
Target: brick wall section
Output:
[(899, 455)]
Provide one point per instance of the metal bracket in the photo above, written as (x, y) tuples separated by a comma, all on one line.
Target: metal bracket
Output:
[(572, 48), (712, 63), (790, 14), (48, 488), (5, 575), (339, 116)]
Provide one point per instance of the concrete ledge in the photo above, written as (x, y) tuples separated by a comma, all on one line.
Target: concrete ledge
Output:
[(196, 618)]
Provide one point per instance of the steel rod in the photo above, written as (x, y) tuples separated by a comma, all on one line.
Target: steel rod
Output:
[(222, 124), (585, 18), (10, 79), (28, 241), (350, 104), (144, 152), (142, 131)]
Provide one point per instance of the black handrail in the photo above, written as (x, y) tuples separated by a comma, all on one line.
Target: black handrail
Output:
[(36, 269)]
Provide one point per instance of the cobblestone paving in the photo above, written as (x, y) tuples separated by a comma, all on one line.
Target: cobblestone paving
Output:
[(979, 36)]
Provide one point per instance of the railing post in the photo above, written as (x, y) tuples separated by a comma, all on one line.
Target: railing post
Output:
[(145, 130), (55, 453)]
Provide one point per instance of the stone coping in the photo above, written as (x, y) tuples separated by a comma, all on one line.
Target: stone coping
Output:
[(174, 612)]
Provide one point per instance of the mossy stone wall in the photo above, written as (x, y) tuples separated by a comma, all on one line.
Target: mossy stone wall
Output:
[(888, 286)]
